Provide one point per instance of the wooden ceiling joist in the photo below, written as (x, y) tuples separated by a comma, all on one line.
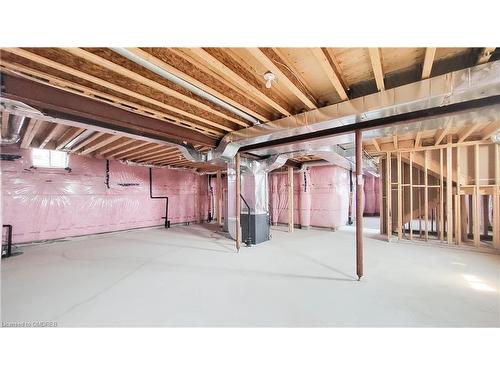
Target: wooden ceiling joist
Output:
[(151, 151), (172, 158), (52, 132), (270, 59), (377, 67), (321, 57), (149, 147), (428, 62), (418, 138), (98, 143), (90, 57), (490, 130), (5, 118), (159, 160), (181, 163), (111, 86), (186, 77), (157, 154), (129, 147), (102, 96), (85, 142), (376, 144), (440, 134), (467, 131), (218, 80), (5, 123), (395, 141), (114, 145), (235, 73), (151, 159), (68, 136), (172, 153), (485, 55), (29, 134)]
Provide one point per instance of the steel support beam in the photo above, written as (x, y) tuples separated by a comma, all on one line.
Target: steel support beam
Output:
[(399, 119), (65, 105)]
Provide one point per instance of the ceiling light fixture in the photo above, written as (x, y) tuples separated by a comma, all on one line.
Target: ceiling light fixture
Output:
[(269, 77), (495, 138)]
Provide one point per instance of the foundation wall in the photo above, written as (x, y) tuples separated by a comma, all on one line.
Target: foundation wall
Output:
[(43, 203), (371, 195), (321, 197)]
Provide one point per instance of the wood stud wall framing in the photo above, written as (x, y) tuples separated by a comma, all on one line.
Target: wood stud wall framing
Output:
[(290, 200), (451, 191)]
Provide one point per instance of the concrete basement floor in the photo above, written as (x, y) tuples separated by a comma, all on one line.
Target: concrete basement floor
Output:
[(191, 276)]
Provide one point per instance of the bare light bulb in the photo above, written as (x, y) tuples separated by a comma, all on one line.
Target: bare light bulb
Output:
[(269, 77)]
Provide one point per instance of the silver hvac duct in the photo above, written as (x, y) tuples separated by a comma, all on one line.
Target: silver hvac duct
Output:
[(461, 86), (485, 115), (179, 81), (18, 108), (14, 127)]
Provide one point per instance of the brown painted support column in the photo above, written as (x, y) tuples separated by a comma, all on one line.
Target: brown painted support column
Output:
[(359, 204), (441, 195), (238, 202), (458, 205), (218, 205), (290, 200), (400, 199), (426, 196), (380, 199), (411, 196)]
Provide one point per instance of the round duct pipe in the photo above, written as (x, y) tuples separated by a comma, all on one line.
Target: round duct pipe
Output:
[(14, 128), (179, 81)]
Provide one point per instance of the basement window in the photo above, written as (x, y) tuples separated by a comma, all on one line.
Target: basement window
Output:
[(49, 158)]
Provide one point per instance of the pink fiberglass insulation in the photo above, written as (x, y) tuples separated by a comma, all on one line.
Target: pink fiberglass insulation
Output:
[(321, 197), (370, 197), (212, 195), (46, 203), (376, 188)]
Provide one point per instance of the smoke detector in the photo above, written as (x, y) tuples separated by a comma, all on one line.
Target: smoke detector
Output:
[(269, 77)]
